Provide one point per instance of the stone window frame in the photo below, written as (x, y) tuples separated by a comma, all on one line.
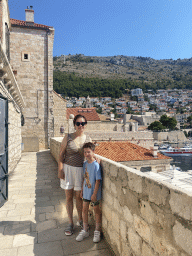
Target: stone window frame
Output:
[(23, 56)]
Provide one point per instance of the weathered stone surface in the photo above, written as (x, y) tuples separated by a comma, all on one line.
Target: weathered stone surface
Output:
[(117, 206), (123, 177), (114, 238), (181, 204), (147, 212), (158, 194), (126, 250), (107, 198), (45, 225), (24, 239), (183, 237), (135, 241), (135, 182), (9, 252), (107, 212), (143, 229), (107, 183), (147, 250), (113, 188), (123, 230), (127, 214), (113, 170), (161, 244), (6, 242), (115, 221)]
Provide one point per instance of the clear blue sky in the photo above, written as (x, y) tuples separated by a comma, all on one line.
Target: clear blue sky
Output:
[(160, 29)]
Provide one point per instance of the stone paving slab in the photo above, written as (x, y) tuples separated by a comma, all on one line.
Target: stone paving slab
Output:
[(34, 218)]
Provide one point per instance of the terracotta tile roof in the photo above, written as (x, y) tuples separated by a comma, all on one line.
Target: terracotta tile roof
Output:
[(123, 151), (89, 113), (27, 24)]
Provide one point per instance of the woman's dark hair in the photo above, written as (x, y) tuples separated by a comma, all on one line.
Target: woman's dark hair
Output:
[(78, 116)]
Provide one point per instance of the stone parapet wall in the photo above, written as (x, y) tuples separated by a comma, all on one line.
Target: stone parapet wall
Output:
[(59, 113), (172, 136), (14, 137), (142, 216), (55, 144), (141, 138)]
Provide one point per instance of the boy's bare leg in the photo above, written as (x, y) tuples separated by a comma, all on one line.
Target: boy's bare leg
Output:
[(79, 204), (97, 211), (85, 215), (69, 204)]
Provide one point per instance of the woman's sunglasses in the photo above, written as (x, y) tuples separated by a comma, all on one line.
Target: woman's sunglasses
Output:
[(81, 123)]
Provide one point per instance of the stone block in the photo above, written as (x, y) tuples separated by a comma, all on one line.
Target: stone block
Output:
[(183, 237), (107, 212), (114, 239), (135, 182), (135, 241), (31, 144), (113, 188), (6, 242), (115, 221), (161, 244), (107, 183), (181, 204), (25, 239), (107, 198), (126, 250), (117, 206), (113, 170), (9, 252), (158, 194), (45, 225), (147, 250), (143, 229), (147, 212), (127, 215), (123, 176), (123, 230), (104, 222)]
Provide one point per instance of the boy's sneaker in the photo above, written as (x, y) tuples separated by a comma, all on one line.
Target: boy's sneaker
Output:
[(83, 234), (97, 236)]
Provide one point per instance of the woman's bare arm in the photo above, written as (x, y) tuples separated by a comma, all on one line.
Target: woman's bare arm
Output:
[(61, 154)]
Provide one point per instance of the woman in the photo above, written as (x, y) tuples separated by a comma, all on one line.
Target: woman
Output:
[(71, 173)]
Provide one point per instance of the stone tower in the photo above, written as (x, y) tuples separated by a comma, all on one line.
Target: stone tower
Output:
[(31, 57)]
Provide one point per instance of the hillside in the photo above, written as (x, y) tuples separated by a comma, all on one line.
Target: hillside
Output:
[(147, 72)]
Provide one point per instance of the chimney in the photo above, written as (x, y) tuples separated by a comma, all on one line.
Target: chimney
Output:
[(154, 151), (29, 14)]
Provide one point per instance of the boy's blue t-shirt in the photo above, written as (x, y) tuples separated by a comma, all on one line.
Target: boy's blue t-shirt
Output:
[(92, 172)]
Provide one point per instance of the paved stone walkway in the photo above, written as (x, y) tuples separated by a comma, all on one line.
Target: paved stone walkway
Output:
[(33, 220)]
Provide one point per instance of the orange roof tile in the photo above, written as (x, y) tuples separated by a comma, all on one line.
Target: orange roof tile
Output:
[(22, 23), (89, 113), (123, 151)]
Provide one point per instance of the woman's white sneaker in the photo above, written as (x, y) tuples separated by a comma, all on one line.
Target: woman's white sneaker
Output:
[(97, 236), (83, 234)]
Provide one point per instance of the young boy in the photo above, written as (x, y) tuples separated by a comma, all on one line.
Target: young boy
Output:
[(91, 192)]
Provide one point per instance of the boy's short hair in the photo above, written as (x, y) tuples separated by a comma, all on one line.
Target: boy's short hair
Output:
[(89, 145)]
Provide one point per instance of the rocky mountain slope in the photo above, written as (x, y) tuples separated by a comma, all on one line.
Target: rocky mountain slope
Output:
[(135, 68)]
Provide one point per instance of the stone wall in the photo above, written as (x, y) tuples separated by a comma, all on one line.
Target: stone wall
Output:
[(35, 79), (142, 216), (14, 131), (141, 138), (59, 113), (14, 138), (172, 136)]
